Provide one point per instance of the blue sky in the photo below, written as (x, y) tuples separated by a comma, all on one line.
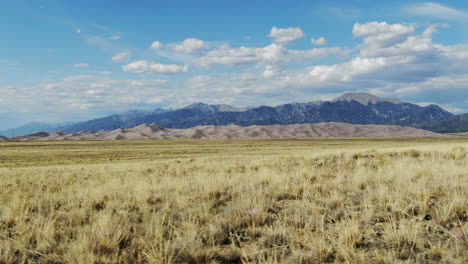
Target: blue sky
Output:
[(76, 60)]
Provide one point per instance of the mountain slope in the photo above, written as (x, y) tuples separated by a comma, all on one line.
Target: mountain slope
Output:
[(428, 114), (455, 124), (128, 119)]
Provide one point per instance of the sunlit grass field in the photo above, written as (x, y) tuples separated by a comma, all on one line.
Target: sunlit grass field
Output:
[(235, 201)]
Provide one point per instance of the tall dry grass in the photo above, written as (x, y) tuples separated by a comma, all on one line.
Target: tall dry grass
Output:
[(252, 202)]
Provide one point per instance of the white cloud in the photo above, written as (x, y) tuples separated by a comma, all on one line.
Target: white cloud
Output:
[(78, 30), (120, 56), (450, 82), (274, 55), (271, 71), (271, 54), (83, 93), (391, 52), (382, 33), (319, 41), (190, 45), (81, 65), (157, 45), (155, 100), (116, 37), (437, 10), (317, 53), (227, 56), (430, 30), (286, 35), (148, 67)]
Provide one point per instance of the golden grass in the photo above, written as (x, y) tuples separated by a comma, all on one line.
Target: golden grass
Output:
[(235, 201), (463, 134)]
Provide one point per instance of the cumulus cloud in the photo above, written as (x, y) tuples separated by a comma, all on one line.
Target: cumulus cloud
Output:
[(157, 45), (319, 41), (286, 35), (80, 65), (121, 56), (268, 55), (382, 33), (271, 71), (227, 56), (436, 10), (391, 53), (155, 100), (148, 67), (190, 45)]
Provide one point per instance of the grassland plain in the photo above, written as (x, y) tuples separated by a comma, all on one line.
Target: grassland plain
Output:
[(234, 201)]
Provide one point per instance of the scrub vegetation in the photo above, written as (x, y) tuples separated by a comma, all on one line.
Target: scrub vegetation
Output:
[(235, 201)]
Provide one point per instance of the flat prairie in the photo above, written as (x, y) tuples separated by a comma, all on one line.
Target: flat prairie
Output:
[(398, 200)]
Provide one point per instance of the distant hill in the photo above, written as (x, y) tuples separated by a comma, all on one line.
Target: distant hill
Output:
[(352, 108), (321, 130), (455, 124)]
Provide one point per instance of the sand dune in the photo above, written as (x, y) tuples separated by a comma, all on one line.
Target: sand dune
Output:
[(320, 130)]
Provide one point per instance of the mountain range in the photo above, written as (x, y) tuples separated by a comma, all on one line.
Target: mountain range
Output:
[(352, 108)]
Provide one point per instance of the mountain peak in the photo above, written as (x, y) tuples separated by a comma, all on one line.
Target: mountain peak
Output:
[(365, 98), (215, 108), (202, 108), (195, 105)]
